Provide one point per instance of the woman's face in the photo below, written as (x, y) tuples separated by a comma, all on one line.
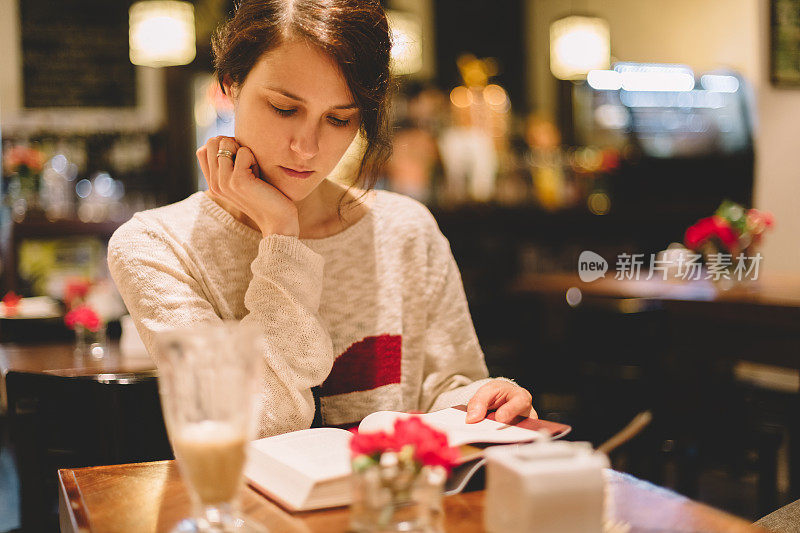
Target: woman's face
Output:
[(295, 112)]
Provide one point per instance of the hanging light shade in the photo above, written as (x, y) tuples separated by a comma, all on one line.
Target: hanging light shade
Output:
[(578, 45), (406, 42), (162, 33)]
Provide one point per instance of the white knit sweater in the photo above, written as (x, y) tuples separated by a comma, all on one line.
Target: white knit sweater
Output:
[(375, 315)]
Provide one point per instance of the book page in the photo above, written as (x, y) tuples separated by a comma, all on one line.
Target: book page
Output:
[(318, 453), (453, 423)]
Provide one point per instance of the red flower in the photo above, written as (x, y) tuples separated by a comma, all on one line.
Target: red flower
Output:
[(708, 228), (698, 233), (412, 430), (370, 443), (11, 301), (23, 156), (725, 232), (76, 288), (82, 316), (434, 453), (758, 221), (430, 445)]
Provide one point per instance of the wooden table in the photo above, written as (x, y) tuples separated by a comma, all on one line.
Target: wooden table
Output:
[(757, 321), (148, 497), (59, 359), (781, 290), (771, 299), (706, 336), (74, 411)]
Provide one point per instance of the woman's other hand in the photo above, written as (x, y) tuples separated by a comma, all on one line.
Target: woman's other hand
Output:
[(508, 398), (237, 180)]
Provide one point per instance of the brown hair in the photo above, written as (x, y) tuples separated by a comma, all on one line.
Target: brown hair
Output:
[(355, 33)]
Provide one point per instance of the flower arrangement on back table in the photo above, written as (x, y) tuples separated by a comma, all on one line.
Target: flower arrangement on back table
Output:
[(728, 240), (11, 303), (88, 325)]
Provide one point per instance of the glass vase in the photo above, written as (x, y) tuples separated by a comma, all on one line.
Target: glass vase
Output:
[(90, 343), (398, 500)]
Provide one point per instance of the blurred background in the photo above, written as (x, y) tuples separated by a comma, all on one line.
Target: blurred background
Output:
[(534, 130)]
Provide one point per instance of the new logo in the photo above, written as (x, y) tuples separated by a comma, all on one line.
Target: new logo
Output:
[(591, 266)]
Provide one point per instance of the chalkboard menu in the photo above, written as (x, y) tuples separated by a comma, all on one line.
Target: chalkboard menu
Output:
[(75, 54)]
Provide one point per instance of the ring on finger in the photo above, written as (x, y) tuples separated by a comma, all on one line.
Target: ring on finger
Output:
[(225, 153)]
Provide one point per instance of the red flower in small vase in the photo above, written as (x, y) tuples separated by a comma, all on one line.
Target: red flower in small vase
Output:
[(430, 445), (710, 227), (434, 452), (11, 301), (725, 232), (412, 430), (370, 443), (411, 434), (76, 289), (698, 233), (83, 316)]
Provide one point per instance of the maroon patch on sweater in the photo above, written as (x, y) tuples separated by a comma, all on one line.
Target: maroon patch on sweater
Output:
[(367, 364)]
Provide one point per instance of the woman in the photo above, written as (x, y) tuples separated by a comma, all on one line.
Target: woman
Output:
[(358, 295)]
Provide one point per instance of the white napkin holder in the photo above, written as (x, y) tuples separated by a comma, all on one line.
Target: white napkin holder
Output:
[(543, 487)]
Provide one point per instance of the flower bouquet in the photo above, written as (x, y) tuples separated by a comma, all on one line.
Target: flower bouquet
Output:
[(11, 304), (728, 241), (90, 328), (90, 331), (76, 291), (398, 477)]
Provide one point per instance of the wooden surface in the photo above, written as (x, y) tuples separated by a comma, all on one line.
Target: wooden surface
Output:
[(769, 290), (149, 497), (772, 301), (778, 290), (59, 359)]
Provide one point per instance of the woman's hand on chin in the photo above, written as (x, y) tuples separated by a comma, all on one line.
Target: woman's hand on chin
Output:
[(509, 399), (237, 180)]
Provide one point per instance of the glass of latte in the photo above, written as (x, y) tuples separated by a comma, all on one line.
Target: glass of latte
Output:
[(208, 379)]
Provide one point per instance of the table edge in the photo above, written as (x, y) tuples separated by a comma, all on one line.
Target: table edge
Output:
[(74, 506)]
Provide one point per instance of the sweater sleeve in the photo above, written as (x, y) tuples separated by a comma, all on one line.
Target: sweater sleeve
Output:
[(159, 284), (454, 367)]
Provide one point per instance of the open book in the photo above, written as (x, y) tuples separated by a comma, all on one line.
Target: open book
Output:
[(310, 469)]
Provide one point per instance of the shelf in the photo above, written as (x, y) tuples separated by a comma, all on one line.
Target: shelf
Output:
[(62, 228)]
